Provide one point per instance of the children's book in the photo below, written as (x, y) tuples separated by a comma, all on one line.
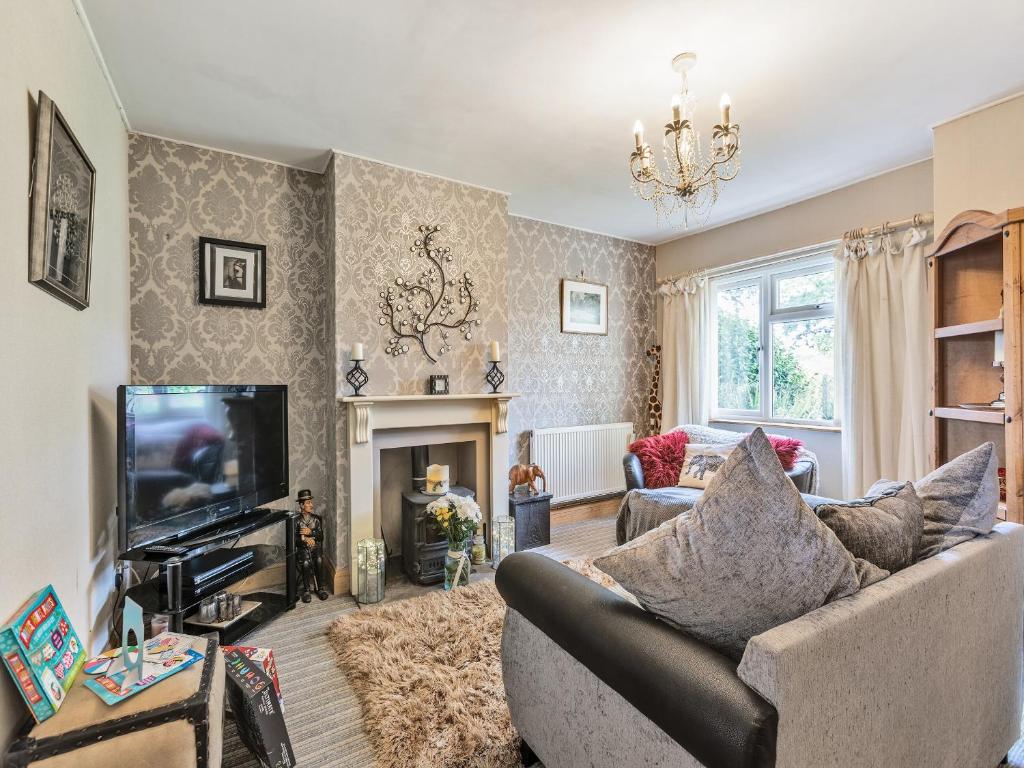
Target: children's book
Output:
[(42, 652), (162, 656)]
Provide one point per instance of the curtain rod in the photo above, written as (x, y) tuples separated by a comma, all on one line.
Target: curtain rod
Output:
[(917, 220)]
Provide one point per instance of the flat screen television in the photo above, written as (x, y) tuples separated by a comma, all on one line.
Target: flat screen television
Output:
[(192, 457)]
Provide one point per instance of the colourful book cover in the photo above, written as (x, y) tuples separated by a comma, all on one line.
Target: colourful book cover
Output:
[(164, 655), (42, 652)]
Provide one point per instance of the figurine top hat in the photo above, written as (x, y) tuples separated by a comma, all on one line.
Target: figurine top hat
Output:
[(304, 495)]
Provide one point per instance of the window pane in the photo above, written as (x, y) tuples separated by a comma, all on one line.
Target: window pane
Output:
[(739, 370), (804, 290), (803, 369)]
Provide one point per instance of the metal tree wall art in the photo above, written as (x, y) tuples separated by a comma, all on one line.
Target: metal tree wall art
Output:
[(415, 307)]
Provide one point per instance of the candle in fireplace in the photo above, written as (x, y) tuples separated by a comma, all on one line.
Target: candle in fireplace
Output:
[(437, 479)]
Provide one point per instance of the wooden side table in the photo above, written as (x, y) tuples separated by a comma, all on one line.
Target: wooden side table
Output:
[(532, 515)]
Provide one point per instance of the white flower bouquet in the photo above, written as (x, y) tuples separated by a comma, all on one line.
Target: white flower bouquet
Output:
[(459, 517)]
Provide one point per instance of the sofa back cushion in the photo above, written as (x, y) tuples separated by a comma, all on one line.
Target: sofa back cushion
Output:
[(960, 500), (884, 527), (749, 556)]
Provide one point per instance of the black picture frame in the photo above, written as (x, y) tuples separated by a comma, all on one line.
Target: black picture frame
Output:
[(439, 384), (62, 209), (214, 281)]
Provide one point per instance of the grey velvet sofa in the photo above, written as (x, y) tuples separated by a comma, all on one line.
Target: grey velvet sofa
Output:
[(923, 669)]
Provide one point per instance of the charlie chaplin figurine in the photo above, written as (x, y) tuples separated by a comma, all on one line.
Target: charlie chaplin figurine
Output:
[(309, 535)]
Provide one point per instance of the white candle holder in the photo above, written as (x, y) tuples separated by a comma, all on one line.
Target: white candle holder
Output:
[(371, 559)]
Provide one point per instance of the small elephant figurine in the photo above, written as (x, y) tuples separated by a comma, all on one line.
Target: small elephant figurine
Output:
[(526, 473)]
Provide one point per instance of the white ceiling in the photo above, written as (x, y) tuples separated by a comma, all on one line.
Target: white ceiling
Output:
[(537, 98)]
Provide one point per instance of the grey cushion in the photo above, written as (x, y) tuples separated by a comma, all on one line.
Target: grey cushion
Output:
[(960, 500), (884, 527), (750, 555)]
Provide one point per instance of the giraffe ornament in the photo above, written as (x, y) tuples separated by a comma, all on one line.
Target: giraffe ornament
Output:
[(654, 394)]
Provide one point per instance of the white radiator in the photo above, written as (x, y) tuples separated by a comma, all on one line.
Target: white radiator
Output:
[(581, 462)]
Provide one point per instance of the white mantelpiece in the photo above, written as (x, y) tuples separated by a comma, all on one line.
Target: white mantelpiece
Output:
[(372, 413)]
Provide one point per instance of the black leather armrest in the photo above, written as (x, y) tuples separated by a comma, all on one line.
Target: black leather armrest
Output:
[(687, 689), (634, 472)]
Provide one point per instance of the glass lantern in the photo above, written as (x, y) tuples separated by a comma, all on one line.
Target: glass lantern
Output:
[(370, 560), (503, 539)]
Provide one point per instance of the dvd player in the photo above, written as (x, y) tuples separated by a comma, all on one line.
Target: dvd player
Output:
[(210, 573)]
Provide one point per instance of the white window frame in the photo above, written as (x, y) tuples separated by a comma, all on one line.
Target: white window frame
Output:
[(767, 278)]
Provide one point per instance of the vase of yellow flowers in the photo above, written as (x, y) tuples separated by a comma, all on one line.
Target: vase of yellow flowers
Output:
[(459, 518)]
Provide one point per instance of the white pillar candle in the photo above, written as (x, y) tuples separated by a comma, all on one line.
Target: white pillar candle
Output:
[(437, 478), (357, 352), (494, 354)]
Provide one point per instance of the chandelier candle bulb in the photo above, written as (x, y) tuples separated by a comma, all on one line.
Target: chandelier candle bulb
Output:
[(677, 104), (638, 134), (357, 352), (725, 104)]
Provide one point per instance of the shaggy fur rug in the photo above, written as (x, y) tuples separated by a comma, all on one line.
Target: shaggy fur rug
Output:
[(427, 672)]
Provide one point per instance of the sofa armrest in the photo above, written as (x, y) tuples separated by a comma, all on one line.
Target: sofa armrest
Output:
[(923, 668), (687, 689), (802, 474), (634, 472)]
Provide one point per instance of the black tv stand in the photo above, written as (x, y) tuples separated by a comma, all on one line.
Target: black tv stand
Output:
[(214, 561)]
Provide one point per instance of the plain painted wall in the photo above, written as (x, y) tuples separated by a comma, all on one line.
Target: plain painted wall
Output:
[(979, 161), (891, 196), (60, 366)]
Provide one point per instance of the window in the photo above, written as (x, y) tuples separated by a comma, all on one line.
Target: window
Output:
[(773, 342)]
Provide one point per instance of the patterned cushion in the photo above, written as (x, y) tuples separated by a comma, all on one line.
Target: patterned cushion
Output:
[(884, 527), (702, 462), (749, 556), (960, 500), (660, 458)]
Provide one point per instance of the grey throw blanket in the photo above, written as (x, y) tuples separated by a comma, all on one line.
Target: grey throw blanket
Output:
[(644, 509)]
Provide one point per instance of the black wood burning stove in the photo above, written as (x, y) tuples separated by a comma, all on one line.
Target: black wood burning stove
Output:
[(423, 543)]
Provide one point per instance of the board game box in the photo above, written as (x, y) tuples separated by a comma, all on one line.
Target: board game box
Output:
[(42, 652), (265, 658), (257, 710)]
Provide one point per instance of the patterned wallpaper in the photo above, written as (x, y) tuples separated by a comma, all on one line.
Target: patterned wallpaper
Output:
[(569, 379), (340, 239), (377, 212), (177, 193)]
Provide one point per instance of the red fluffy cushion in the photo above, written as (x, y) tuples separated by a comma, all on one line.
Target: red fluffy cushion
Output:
[(661, 458), (786, 448)]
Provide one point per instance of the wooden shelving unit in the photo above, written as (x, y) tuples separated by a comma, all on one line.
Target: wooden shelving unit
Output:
[(976, 293)]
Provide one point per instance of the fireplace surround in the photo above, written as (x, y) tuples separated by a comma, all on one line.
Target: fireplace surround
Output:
[(377, 422)]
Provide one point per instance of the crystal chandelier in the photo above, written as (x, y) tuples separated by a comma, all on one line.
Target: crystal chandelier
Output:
[(690, 182)]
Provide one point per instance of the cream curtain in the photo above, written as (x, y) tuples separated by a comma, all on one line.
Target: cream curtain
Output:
[(684, 305), (882, 319)]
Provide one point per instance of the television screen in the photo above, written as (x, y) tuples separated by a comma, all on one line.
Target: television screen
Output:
[(193, 456)]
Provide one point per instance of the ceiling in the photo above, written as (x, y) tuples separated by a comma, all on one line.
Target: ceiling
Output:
[(537, 98)]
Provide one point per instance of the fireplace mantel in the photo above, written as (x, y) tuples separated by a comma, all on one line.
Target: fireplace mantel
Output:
[(368, 414)]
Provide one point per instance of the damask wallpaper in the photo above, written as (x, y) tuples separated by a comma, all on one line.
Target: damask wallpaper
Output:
[(569, 379), (179, 192), (377, 213)]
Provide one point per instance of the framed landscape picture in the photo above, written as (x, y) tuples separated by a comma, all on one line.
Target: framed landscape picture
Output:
[(232, 274), (584, 307), (63, 199)]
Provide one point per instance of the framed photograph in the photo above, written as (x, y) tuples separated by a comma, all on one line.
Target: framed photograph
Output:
[(439, 384), (584, 307), (63, 200), (232, 274)]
